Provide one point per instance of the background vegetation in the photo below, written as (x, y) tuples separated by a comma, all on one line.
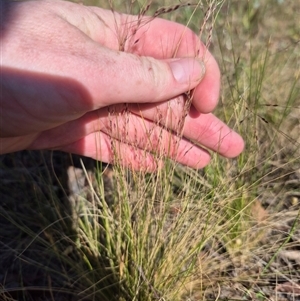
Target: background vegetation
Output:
[(74, 229)]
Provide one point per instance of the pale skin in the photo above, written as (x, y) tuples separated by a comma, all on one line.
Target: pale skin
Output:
[(83, 80)]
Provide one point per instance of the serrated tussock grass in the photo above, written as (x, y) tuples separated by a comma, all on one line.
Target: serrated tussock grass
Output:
[(181, 234)]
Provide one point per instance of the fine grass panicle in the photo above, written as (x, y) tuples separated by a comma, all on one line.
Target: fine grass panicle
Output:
[(89, 231)]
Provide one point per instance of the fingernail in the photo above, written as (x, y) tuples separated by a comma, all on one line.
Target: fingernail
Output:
[(186, 70)]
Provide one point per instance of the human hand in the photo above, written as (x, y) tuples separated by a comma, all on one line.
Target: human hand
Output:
[(65, 85)]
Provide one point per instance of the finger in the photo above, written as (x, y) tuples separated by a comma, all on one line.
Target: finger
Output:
[(128, 129), (102, 147), (123, 77), (158, 38), (144, 134), (164, 39), (204, 129)]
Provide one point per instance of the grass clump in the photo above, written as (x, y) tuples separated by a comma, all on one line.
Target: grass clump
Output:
[(228, 232)]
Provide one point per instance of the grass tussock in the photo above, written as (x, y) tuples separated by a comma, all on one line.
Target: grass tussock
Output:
[(228, 232)]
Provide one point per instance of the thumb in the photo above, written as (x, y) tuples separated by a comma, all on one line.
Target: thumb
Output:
[(124, 77)]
